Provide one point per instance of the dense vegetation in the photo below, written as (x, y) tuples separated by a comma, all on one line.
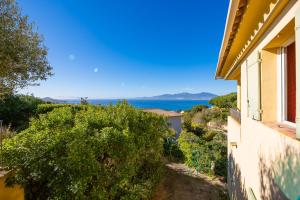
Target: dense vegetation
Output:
[(94, 152), (16, 110), (225, 101), (45, 108), (201, 117), (171, 149), (203, 142), (206, 154)]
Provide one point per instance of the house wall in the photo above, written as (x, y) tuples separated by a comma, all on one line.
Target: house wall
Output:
[(264, 158), (269, 83), (264, 161), (10, 193), (175, 124)]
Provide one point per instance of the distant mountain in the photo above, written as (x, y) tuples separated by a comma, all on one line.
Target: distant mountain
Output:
[(183, 96), (49, 99)]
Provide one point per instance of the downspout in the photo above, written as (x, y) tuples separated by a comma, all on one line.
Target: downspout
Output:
[(297, 33)]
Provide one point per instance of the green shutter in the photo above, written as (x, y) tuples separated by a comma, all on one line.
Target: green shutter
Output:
[(253, 86)]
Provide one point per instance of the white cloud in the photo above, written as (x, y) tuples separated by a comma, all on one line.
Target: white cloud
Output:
[(95, 69), (71, 57)]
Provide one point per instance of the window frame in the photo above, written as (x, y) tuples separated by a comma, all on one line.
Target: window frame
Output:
[(282, 83)]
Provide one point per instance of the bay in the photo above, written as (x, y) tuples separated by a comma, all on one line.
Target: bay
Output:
[(174, 105)]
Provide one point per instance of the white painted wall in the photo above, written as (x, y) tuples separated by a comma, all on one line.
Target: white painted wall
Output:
[(175, 124)]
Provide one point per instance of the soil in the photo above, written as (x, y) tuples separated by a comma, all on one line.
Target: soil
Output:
[(183, 183)]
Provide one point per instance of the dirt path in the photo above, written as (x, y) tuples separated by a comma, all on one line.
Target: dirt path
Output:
[(181, 183)]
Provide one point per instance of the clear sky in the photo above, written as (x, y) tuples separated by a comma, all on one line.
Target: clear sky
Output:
[(129, 48)]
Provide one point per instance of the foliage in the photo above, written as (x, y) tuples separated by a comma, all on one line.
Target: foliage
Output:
[(206, 155), (226, 101), (171, 149), (198, 121), (187, 142), (188, 115), (204, 148), (6, 133), (111, 152), (45, 108), (22, 52), (16, 110)]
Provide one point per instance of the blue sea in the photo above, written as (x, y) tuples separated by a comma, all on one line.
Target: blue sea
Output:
[(174, 105)]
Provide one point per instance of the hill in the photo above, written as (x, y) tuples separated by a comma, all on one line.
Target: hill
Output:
[(183, 96)]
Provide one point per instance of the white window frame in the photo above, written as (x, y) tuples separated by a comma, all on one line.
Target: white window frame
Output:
[(282, 83)]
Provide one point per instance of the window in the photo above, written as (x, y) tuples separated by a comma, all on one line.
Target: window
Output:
[(287, 83)]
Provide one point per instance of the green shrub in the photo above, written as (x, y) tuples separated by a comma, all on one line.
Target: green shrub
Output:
[(16, 110), (111, 152), (225, 101), (171, 148), (45, 108), (6, 133), (202, 155), (209, 135), (187, 142)]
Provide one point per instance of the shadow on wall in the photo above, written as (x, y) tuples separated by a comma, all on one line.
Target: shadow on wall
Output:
[(236, 186), (280, 178)]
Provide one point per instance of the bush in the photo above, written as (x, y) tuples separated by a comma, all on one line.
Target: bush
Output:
[(6, 133), (209, 157), (171, 149), (225, 101), (16, 110), (111, 152), (187, 143), (45, 108)]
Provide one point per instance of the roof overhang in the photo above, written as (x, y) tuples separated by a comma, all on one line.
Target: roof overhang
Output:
[(247, 21), (234, 16)]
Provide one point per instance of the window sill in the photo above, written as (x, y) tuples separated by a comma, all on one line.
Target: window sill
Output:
[(282, 128)]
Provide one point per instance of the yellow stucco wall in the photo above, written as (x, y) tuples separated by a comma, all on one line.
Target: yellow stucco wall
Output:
[(265, 157), (265, 161), (10, 193), (268, 85)]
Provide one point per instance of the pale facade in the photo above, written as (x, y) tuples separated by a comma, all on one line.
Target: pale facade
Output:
[(174, 119), (261, 51)]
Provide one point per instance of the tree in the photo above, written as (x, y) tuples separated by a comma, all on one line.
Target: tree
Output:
[(111, 152), (23, 58), (16, 110)]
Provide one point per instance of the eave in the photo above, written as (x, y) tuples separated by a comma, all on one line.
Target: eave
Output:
[(234, 16), (256, 18)]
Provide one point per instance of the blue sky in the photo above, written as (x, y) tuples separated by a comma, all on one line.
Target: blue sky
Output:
[(132, 48)]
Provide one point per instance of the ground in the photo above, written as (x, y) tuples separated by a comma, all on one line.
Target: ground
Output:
[(183, 183)]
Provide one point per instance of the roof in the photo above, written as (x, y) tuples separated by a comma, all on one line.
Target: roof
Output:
[(247, 22), (164, 112), (234, 17)]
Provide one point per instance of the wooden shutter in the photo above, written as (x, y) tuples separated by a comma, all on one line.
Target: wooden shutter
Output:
[(291, 83), (253, 86)]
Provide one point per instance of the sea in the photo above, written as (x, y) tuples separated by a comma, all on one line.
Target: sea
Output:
[(172, 105)]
